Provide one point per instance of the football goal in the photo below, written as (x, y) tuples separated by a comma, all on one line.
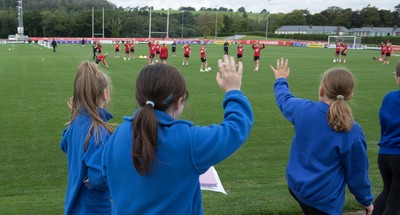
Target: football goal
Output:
[(353, 42)]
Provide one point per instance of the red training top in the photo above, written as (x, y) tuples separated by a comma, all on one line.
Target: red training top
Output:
[(152, 49), (240, 50), (186, 50), (203, 52), (164, 52), (102, 58), (257, 50)]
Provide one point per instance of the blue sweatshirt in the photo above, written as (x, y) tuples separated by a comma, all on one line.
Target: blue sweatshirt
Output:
[(390, 124), (92, 197), (322, 161), (184, 152)]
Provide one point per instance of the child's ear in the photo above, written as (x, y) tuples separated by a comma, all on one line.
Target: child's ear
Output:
[(321, 92)]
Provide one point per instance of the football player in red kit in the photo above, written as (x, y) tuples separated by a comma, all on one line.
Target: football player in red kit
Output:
[(152, 51), (388, 52), (337, 52), (240, 50), (131, 49), (203, 59), (126, 50), (186, 54), (164, 54), (257, 49), (158, 50), (102, 58), (99, 47), (344, 51), (116, 48)]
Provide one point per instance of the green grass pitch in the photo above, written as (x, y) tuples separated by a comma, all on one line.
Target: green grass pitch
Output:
[(36, 84)]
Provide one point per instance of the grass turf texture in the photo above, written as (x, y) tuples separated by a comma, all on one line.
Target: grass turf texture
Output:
[(34, 93)]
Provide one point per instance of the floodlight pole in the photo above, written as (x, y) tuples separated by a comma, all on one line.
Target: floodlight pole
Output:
[(168, 23), (103, 22), (150, 22), (182, 25), (266, 30), (216, 23)]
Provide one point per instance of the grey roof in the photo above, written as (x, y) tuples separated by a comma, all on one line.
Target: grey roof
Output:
[(310, 28), (384, 30)]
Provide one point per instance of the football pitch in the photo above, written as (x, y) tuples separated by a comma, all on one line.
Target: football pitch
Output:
[(36, 84)]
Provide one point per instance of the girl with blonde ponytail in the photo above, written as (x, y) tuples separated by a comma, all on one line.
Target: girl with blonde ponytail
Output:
[(328, 149), (83, 141)]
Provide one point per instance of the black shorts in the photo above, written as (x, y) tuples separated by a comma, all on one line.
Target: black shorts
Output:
[(186, 56), (158, 52), (99, 51), (382, 53), (173, 49), (337, 52), (126, 51), (343, 53), (117, 50), (132, 50), (203, 59), (387, 54), (163, 58), (256, 58), (151, 56), (97, 61), (239, 56)]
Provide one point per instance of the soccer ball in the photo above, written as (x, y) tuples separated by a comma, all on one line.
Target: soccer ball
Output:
[(334, 61), (209, 68)]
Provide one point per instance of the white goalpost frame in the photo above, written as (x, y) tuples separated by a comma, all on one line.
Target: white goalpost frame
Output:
[(97, 34), (353, 42), (158, 32)]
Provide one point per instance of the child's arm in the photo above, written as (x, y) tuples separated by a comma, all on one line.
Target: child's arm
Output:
[(355, 162)]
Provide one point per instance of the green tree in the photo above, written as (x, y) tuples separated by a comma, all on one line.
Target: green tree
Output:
[(370, 16), (343, 18), (33, 23), (296, 17), (386, 17), (317, 19)]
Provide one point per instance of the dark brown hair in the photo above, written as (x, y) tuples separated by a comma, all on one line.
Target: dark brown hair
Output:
[(398, 70), (89, 86), (338, 85), (164, 86)]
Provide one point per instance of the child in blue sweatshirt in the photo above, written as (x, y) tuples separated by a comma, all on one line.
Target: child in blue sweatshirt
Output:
[(83, 142), (328, 149), (388, 202), (153, 160)]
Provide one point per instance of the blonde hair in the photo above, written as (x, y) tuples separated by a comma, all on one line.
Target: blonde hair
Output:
[(89, 87), (338, 85)]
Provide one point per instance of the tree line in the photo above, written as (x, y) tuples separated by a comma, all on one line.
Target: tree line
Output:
[(73, 18)]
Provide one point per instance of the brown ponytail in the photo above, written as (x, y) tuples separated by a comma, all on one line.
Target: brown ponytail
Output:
[(158, 87), (338, 85)]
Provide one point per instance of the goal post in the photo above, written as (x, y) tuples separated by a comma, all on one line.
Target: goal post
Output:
[(353, 42)]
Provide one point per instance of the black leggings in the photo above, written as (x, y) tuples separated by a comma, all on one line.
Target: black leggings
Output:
[(307, 210), (388, 202)]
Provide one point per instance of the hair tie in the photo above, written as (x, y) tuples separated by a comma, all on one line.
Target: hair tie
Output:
[(339, 97), (150, 103)]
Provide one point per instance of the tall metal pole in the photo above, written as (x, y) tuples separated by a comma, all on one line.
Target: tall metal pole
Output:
[(92, 22), (150, 23), (268, 13), (182, 25), (216, 21), (103, 22), (168, 23)]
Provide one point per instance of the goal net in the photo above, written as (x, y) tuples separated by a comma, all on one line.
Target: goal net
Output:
[(353, 42)]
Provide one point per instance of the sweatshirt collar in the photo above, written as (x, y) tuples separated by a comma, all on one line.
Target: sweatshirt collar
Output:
[(162, 118)]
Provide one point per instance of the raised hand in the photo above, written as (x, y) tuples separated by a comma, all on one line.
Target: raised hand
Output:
[(282, 70), (227, 77)]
